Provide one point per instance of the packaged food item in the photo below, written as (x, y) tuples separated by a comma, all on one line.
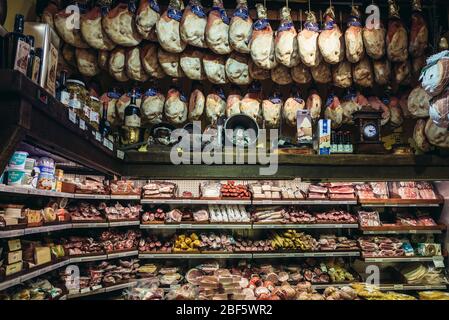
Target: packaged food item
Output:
[(95, 110), (324, 136), (210, 189), (429, 249), (18, 160), (15, 177), (78, 96), (304, 127), (369, 219)]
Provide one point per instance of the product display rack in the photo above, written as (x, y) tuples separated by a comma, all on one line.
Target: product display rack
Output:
[(35, 118)]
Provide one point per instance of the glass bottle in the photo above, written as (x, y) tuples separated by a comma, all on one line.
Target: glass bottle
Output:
[(63, 94), (16, 49), (30, 41), (105, 126), (132, 121)]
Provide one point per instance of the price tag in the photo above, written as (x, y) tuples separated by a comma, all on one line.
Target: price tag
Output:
[(85, 290), (98, 287), (72, 116), (98, 136), (82, 125), (438, 261), (108, 144), (185, 226), (120, 154), (413, 231), (398, 287)]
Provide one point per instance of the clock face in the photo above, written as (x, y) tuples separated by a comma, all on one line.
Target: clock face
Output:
[(370, 131)]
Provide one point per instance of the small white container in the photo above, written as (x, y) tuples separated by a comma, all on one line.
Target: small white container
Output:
[(18, 160)]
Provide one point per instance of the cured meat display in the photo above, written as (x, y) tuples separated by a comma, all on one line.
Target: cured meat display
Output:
[(353, 37), (419, 33), (287, 49), (331, 40), (397, 38), (217, 29), (167, 28), (159, 189), (262, 44), (193, 25), (382, 247), (240, 28), (308, 41)]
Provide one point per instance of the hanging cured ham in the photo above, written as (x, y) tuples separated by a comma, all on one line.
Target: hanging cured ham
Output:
[(215, 104), (237, 69), (251, 102), (291, 107), (314, 104), (436, 135), (419, 136), (215, 68), (170, 63), (374, 39), (331, 40), (193, 25), (402, 72), (176, 109), (191, 61), (322, 73), (363, 73), (240, 28), (435, 77), (93, 32), (117, 65), (271, 110), (119, 24), (152, 107), (167, 28), (197, 102), (281, 75), (301, 74), (382, 71), (396, 115), (342, 74), (397, 39), (287, 49), (439, 110), (379, 105), (217, 29), (134, 68), (350, 104), (150, 61), (233, 102), (262, 41), (257, 73), (308, 41), (334, 111), (148, 14), (87, 62), (63, 22), (419, 32), (354, 37), (418, 103)]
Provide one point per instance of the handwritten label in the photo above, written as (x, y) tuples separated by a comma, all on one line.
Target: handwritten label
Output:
[(120, 154), (98, 136)]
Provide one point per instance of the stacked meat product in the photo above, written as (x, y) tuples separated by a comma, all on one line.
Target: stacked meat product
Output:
[(90, 186), (335, 216), (266, 190), (334, 243), (233, 190), (381, 247), (247, 245), (153, 215), (82, 245), (317, 192), (118, 241), (119, 212), (124, 187), (292, 191), (372, 190), (369, 219), (159, 189), (341, 191), (153, 244), (84, 211), (227, 213)]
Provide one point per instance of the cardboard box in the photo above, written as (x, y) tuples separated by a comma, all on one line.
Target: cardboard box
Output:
[(14, 257), (42, 255), (324, 136), (13, 268), (14, 245), (47, 39), (304, 134)]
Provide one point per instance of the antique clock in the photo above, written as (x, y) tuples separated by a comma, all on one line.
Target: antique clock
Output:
[(368, 138)]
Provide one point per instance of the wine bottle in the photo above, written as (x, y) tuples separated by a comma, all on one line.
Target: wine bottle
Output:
[(132, 121), (30, 41), (105, 126), (62, 93), (16, 50)]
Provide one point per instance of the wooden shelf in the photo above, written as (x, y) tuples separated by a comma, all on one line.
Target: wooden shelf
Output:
[(404, 229)]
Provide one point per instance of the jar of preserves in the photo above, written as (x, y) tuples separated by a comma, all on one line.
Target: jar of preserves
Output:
[(77, 95), (95, 110)]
